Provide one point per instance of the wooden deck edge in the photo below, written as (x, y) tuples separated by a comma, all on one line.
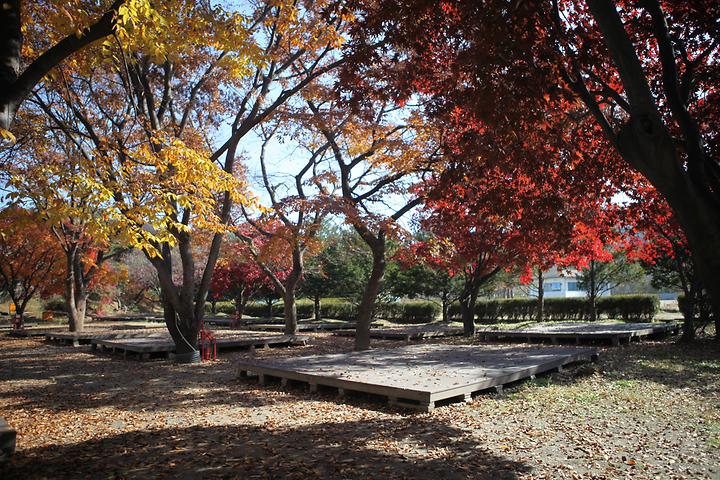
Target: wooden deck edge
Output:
[(407, 398)]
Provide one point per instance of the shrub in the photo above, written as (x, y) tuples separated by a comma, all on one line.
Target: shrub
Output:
[(630, 308), (338, 310), (409, 312), (54, 304)]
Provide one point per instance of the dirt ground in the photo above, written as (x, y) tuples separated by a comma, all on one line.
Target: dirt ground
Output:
[(648, 410)]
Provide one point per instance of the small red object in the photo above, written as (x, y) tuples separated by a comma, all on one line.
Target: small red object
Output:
[(17, 322), (208, 343)]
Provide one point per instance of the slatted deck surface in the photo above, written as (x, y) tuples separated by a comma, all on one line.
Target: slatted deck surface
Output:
[(86, 337), (36, 331), (407, 334), (302, 327), (417, 376), (145, 346), (578, 332)]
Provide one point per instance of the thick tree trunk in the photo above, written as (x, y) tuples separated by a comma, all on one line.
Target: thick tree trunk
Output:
[(76, 310), (10, 44), (290, 311), (367, 304), (316, 308), (541, 297), (183, 327), (690, 182), (688, 313), (76, 293)]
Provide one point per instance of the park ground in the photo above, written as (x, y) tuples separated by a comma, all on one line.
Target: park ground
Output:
[(649, 410)]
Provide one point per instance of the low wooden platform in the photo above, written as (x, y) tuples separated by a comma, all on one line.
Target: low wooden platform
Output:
[(417, 376), (302, 327), (36, 331), (77, 339), (407, 334), (144, 347), (576, 332)]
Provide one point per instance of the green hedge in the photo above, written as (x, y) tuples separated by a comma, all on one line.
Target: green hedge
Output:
[(630, 308), (408, 312), (338, 309)]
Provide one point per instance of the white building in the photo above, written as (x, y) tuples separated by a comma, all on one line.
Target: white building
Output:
[(557, 284)]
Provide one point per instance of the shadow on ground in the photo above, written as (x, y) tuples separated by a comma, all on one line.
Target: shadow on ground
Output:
[(422, 449)]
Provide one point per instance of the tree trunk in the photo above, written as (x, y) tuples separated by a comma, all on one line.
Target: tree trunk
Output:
[(75, 291), (592, 293), (290, 311), (689, 184), (213, 306), (10, 44), (367, 304), (240, 302), (183, 327), (541, 297), (688, 313), (468, 299), (445, 307), (316, 308)]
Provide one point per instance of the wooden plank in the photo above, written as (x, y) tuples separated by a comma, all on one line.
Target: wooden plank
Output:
[(302, 327), (409, 333), (165, 344), (578, 331), (419, 376)]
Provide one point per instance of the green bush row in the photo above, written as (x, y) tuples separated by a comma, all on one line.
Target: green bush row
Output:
[(398, 312), (631, 308), (408, 312), (702, 309)]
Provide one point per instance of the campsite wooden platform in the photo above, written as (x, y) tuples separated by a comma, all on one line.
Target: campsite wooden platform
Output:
[(407, 334), (145, 347), (36, 331), (129, 317), (302, 327), (77, 339), (417, 376), (576, 332)]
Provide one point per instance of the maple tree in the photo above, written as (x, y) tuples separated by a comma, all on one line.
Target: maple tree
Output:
[(30, 260), (237, 276), (659, 243), (292, 221), (62, 31), (49, 178), (641, 78), (424, 270), (371, 159), (141, 119)]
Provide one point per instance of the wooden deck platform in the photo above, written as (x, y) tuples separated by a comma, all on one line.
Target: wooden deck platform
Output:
[(576, 332), (36, 331), (77, 339), (407, 334), (302, 327), (417, 376), (144, 347)]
